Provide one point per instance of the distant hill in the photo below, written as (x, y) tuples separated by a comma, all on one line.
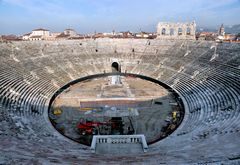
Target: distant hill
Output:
[(205, 29), (235, 29)]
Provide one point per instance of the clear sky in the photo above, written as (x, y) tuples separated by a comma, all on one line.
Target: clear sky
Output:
[(86, 16)]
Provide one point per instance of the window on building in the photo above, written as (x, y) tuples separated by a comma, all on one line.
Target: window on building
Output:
[(171, 32), (188, 31), (180, 31), (163, 31)]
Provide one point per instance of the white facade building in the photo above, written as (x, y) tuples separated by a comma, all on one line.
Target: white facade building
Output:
[(39, 34), (70, 32), (26, 36)]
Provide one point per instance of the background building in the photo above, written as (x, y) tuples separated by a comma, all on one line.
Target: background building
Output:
[(39, 34), (169, 30), (70, 32)]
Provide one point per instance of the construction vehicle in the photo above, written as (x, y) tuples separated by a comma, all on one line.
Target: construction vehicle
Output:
[(57, 111), (113, 126), (88, 127), (174, 115)]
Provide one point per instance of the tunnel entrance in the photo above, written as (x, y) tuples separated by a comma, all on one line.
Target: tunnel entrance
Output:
[(94, 106), (116, 67)]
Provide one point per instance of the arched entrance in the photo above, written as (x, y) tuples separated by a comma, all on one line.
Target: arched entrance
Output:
[(116, 67)]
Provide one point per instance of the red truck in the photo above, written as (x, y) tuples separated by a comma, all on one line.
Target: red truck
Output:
[(92, 127), (88, 127)]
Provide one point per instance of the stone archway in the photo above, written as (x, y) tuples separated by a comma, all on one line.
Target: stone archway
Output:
[(116, 67)]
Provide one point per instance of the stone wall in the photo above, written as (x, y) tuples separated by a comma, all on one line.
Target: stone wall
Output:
[(169, 30)]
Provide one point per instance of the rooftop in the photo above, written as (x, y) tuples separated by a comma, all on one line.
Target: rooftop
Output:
[(40, 29)]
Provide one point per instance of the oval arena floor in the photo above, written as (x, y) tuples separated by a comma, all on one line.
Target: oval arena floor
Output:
[(206, 75)]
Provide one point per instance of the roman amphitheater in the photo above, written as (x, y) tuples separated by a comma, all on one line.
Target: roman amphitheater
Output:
[(205, 76)]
